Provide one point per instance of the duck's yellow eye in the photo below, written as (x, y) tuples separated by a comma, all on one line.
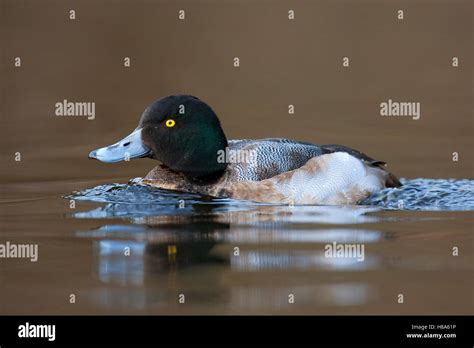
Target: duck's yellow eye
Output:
[(170, 123)]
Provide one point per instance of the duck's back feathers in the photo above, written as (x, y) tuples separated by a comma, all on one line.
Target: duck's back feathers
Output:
[(334, 178), (276, 156), (270, 157)]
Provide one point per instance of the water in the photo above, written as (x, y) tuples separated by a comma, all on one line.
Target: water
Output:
[(428, 195), (185, 244)]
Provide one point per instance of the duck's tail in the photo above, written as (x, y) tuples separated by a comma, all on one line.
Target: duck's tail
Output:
[(392, 181)]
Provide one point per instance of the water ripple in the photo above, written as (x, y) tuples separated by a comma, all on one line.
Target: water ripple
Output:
[(428, 195), (128, 200)]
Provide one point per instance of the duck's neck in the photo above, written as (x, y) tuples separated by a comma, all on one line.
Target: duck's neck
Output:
[(202, 164), (205, 171)]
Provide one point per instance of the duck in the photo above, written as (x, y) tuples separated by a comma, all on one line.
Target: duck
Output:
[(184, 136)]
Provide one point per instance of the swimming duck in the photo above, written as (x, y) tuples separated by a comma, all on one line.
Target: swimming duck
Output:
[(185, 136)]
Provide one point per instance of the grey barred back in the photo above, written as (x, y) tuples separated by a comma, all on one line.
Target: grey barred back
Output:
[(273, 156)]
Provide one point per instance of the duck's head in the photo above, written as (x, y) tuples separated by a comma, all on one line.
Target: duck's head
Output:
[(181, 131)]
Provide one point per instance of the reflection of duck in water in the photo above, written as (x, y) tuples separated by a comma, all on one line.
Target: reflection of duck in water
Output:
[(171, 246), (185, 136), (181, 258), (185, 244)]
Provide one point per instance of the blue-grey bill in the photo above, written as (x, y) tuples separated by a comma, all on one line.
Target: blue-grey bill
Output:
[(129, 147)]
